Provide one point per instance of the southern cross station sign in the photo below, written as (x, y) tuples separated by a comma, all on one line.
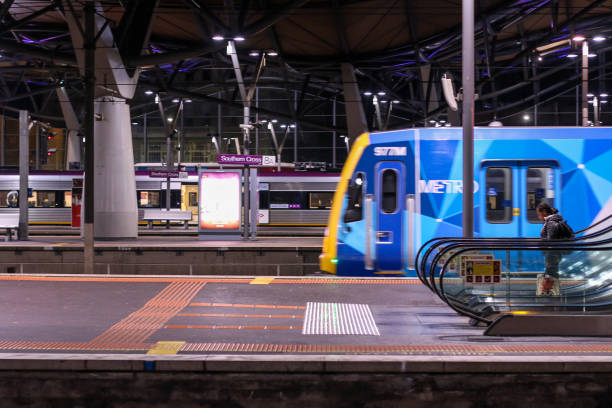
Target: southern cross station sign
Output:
[(251, 160)]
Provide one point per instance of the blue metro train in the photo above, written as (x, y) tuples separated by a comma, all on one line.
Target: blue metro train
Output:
[(401, 188)]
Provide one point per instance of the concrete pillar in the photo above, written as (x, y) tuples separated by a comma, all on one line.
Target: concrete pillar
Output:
[(355, 116), (115, 209)]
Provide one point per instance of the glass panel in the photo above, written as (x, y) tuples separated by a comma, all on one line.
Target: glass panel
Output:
[(389, 191), (540, 188), (354, 209), (3, 199), (499, 195), (322, 200), (67, 198), (193, 199), (289, 199), (148, 199)]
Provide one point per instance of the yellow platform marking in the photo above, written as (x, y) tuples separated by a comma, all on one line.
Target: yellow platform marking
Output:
[(166, 347), (261, 281)]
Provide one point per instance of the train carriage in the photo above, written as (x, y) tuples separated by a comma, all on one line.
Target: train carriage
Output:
[(399, 189)]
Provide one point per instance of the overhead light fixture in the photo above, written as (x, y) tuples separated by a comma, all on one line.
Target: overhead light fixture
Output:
[(603, 95), (539, 58), (283, 126), (526, 117), (264, 121), (432, 121), (272, 53), (592, 55), (218, 38), (590, 95), (572, 55), (591, 101), (274, 121), (135, 123), (382, 93), (603, 101), (367, 93), (292, 126), (396, 101), (383, 101), (238, 38), (148, 92), (169, 120), (175, 100), (599, 38), (254, 54), (578, 38), (188, 100)]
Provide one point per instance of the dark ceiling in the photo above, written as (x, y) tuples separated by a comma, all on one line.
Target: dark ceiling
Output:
[(392, 44)]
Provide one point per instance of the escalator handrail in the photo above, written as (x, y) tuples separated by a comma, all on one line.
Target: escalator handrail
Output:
[(420, 266), (595, 234), (470, 314)]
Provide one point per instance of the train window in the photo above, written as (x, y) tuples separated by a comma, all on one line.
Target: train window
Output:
[(321, 200), (389, 191), (354, 208), (289, 199), (46, 199), (68, 199), (499, 195), (540, 188), (148, 199), (9, 199), (175, 199)]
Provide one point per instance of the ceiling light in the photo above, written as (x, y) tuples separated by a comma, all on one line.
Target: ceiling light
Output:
[(396, 101), (539, 58), (599, 38), (526, 117), (432, 121), (272, 53), (254, 54), (283, 126), (572, 55), (217, 38), (603, 95), (148, 92), (382, 93), (591, 55), (135, 123), (292, 126), (169, 120), (578, 38), (175, 100), (188, 100), (442, 121), (274, 121), (238, 38), (264, 121), (383, 101), (591, 101), (604, 101), (367, 93), (590, 95)]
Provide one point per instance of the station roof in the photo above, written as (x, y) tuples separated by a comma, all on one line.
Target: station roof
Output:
[(400, 47)]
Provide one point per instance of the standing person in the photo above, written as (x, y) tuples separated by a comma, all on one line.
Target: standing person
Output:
[(554, 228)]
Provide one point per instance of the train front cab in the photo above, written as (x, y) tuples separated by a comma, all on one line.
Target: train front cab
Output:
[(372, 208)]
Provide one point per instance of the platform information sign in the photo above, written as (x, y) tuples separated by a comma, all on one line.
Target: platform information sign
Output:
[(219, 204), (249, 159)]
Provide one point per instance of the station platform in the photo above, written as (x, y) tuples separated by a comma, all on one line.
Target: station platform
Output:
[(152, 255), (248, 341)]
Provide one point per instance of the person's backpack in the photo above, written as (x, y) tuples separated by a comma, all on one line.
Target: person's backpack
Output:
[(564, 231)]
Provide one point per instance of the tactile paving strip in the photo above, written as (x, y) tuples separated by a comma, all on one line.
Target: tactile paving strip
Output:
[(339, 319)]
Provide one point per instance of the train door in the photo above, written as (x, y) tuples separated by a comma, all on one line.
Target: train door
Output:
[(189, 199), (390, 192), (512, 191)]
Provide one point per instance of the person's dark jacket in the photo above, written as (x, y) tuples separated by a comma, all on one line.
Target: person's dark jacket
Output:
[(551, 228)]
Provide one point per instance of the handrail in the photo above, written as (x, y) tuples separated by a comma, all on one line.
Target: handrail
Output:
[(465, 311), (419, 266)]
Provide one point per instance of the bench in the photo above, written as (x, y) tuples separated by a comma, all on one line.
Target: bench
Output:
[(165, 215), (10, 222)]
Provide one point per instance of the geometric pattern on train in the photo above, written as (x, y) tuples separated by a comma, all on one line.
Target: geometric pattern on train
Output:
[(443, 212)]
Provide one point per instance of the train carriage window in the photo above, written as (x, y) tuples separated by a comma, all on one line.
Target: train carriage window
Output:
[(499, 195), (7, 200), (321, 200), (354, 208), (540, 188), (148, 199), (67, 198), (389, 191)]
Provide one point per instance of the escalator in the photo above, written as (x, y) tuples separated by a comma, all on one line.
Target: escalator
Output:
[(494, 282)]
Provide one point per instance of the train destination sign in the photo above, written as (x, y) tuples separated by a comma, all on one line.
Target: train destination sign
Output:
[(244, 159)]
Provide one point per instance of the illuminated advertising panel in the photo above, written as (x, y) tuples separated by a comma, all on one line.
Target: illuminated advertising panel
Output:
[(220, 201)]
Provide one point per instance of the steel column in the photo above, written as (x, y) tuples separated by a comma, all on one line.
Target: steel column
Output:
[(355, 116), (467, 66), (24, 173), (88, 125), (585, 83)]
